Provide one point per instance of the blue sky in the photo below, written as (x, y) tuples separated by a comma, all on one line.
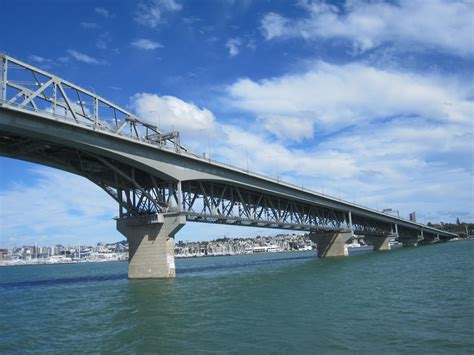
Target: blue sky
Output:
[(368, 101)]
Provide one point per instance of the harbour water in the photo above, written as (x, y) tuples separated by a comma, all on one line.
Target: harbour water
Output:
[(411, 300)]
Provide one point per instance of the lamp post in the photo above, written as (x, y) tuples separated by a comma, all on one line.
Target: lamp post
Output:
[(277, 167), (302, 185), (208, 143), (278, 172), (246, 154)]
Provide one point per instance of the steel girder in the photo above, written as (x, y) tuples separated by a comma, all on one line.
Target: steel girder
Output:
[(212, 202)]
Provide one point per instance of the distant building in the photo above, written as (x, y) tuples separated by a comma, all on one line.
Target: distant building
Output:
[(413, 217)]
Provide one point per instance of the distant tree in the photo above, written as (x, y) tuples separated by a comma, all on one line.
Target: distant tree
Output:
[(458, 221), (430, 224)]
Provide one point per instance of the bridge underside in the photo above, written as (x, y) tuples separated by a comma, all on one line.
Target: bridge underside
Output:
[(140, 192)]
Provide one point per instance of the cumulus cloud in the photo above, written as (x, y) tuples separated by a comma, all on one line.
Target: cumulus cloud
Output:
[(169, 112), (233, 45), (332, 97), (146, 44), (84, 58), (150, 13), (368, 24)]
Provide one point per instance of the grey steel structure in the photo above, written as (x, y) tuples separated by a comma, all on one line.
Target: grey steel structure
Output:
[(47, 120)]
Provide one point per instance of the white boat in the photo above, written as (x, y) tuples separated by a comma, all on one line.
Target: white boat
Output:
[(354, 244)]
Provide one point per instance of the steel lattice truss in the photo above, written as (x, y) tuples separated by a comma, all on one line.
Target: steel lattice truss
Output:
[(210, 202), (24, 87), (141, 194), (364, 226)]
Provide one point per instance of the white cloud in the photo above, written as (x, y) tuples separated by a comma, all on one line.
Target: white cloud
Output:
[(369, 24), (288, 127), (233, 45), (274, 25), (38, 59), (332, 97), (103, 40), (146, 44), (150, 13), (168, 112), (60, 207), (410, 164), (103, 12), (89, 25), (84, 58)]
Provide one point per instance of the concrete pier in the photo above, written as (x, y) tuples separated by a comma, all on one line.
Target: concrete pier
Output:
[(380, 242), (151, 244), (332, 243)]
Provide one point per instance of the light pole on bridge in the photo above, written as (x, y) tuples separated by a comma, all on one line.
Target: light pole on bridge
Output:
[(208, 142), (246, 154)]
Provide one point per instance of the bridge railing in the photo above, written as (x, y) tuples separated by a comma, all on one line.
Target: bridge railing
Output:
[(163, 143), (28, 88)]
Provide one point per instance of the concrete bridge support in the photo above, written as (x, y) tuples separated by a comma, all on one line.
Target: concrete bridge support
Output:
[(151, 244), (380, 242), (332, 243)]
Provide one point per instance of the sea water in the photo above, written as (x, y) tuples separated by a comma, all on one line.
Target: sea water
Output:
[(412, 300)]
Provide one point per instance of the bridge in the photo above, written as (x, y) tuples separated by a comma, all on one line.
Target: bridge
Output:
[(159, 184)]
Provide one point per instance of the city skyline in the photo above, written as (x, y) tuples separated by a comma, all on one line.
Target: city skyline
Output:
[(368, 102)]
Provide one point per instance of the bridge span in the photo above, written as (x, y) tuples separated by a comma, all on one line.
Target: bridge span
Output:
[(159, 184)]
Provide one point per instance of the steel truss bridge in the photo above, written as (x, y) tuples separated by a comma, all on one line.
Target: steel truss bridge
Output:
[(50, 121)]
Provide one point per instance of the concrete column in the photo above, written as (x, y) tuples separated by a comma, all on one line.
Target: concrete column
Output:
[(180, 197), (332, 243), (151, 244), (379, 242)]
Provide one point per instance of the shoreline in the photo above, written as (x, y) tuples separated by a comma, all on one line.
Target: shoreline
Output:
[(86, 261)]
